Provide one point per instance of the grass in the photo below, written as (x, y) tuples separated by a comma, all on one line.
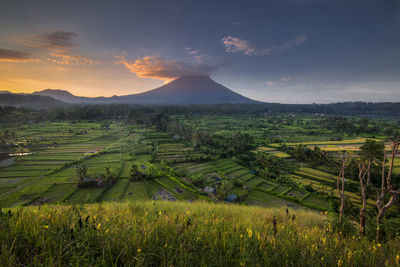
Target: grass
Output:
[(85, 195), (264, 148), (180, 234), (116, 191), (141, 190), (342, 142), (281, 155), (56, 193)]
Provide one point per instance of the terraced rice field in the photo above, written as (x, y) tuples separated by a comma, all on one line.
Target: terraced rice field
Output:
[(325, 183), (227, 169), (49, 174)]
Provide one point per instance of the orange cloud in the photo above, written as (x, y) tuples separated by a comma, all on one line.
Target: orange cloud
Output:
[(164, 69), (270, 83), (52, 47), (70, 60), (9, 55)]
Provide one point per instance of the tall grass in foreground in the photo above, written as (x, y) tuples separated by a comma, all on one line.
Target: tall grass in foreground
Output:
[(180, 234)]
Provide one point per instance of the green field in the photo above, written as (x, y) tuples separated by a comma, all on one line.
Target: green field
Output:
[(49, 176), (173, 162)]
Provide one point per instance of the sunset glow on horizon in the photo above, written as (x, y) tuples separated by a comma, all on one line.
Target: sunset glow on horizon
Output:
[(291, 51)]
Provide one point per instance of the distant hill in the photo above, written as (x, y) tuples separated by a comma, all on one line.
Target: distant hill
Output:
[(187, 90), (59, 94), (30, 101)]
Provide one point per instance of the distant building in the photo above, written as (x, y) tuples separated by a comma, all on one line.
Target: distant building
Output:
[(6, 160)]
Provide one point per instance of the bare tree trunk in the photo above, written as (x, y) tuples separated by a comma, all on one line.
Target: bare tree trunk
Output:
[(361, 174), (382, 212), (369, 173), (386, 187), (341, 188)]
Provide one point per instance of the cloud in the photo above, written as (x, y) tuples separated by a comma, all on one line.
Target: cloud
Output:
[(165, 69), (196, 54), (270, 83), (8, 55), (234, 45), (191, 51), (53, 47), (285, 79), (237, 45), (70, 60), (56, 41)]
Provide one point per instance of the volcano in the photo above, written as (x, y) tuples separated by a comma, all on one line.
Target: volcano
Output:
[(187, 90)]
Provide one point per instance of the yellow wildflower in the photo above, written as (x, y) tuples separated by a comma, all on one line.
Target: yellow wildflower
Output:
[(326, 212), (397, 259), (340, 263), (250, 232), (139, 250), (379, 245), (98, 226), (349, 255), (46, 227)]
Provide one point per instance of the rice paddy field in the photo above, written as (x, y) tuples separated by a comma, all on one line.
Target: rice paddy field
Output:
[(47, 174)]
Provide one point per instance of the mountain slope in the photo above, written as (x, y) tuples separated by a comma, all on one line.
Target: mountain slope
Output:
[(186, 90), (59, 94), (30, 101), (189, 90)]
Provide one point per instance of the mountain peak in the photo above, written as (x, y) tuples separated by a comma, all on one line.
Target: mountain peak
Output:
[(53, 91), (189, 90), (58, 94)]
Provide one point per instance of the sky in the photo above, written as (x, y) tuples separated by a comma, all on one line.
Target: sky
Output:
[(287, 51)]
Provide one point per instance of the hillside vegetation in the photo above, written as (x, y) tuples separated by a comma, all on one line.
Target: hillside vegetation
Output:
[(181, 234)]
